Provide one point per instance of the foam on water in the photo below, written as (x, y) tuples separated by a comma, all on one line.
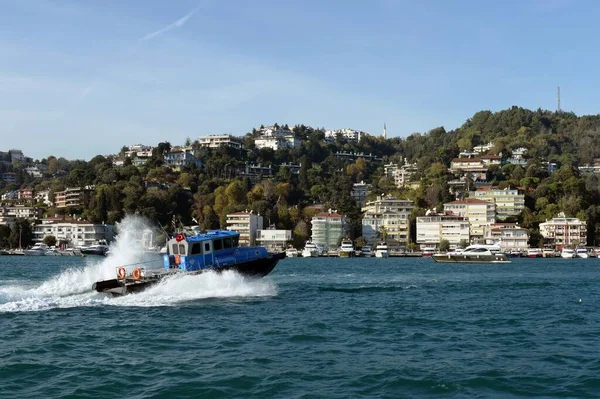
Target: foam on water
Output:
[(73, 287)]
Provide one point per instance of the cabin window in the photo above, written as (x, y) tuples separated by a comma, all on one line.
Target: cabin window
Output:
[(227, 243), (236, 240), (175, 249), (196, 248), (217, 244), (182, 250), (206, 247)]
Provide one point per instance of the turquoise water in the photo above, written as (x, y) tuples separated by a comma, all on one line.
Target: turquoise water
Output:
[(314, 328)]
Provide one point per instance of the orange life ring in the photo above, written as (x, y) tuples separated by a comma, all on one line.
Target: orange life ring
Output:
[(177, 259), (121, 272), (137, 273)]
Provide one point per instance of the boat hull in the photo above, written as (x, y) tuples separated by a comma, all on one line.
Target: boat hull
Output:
[(460, 258), (253, 269), (382, 254), (96, 252)]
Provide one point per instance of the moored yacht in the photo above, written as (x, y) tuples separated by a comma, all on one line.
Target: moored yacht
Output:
[(291, 253), (381, 250), (310, 250), (567, 253), (346, 250), (38, 249), (366, 251), (100, 249), (581, 252), (548, 252), (534, 253), (478, 253)]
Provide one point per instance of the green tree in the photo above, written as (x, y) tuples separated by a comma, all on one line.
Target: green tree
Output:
[(50, 241), (444, 245)]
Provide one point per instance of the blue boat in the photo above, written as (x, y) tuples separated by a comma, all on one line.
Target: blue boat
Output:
[(217, 250)]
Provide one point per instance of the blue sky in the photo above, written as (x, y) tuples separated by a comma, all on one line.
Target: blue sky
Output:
[(81, 78)]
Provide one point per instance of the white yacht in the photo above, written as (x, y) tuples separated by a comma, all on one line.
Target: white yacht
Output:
[(581, 252), (291, 253), (381, 250), (567, 253), (366, 252), (39, 249), (52, 251), (534, 253), (310, 250), (478, 253), (346, 249)]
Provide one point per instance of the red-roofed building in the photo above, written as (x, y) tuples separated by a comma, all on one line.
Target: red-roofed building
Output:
[(25, 194)]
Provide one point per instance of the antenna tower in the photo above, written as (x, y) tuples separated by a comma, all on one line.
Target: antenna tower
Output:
[(558, 94)]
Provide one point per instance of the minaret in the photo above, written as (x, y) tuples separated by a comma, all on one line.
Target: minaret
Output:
[(384, 132)]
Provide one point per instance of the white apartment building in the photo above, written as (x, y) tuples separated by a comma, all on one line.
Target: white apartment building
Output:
[(509, 236), (345, 134), (247, 224), (76, 233), (564, 231), (481, 214), (400, 174), (434, 227), (43, 197), (327, 228), (221, 140), (483, 148), (509, 202), (276, 138), (10, 214), (273, 239)]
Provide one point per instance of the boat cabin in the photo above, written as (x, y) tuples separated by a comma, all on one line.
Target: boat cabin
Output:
[(213, 249)]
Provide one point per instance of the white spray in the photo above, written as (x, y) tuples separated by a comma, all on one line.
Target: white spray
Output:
[(73, 287)]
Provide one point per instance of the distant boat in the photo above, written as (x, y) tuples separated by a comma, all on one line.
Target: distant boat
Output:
[(310, 250), (548, 253), (39, 249), (534, 253), (381, 250), (581, 252), (478, 253), (291, 253), (346, 250), (95, 249), (366, 252), (567, 253)]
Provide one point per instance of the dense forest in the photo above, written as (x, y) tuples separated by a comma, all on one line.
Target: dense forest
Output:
[(287, 199)]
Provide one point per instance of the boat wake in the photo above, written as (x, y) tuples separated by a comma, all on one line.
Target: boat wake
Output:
[(73, 287)]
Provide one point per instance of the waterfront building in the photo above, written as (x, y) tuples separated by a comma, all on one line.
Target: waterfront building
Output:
[(434, 227), (327, 228), (387, 216), (564, 231), (509, 202), (247, 224), (221, 140), (509, 236), (272, 239), (76, 233), (481, 214)]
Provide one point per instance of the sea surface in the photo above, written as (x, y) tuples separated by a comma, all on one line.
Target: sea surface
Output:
[(314, 328)]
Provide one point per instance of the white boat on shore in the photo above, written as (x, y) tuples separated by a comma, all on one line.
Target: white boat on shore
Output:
[(581, 252), (346, 250), (381, 250), (478, 253), (291, 253), (567, 253), (39, 249), (366, 252), (310, 250)]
